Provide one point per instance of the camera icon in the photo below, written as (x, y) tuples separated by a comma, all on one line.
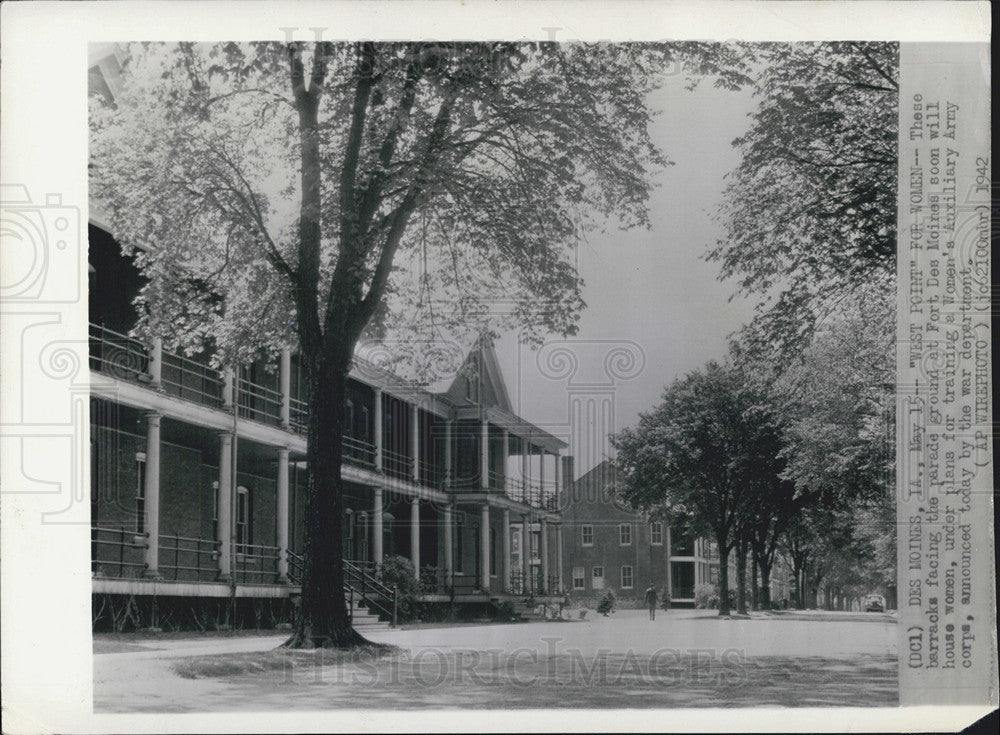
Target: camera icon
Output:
[(41, 248)]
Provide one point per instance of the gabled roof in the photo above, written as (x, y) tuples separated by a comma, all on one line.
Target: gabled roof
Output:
[(481, 360)]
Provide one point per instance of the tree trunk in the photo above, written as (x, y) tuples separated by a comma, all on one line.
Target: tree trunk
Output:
[(741, 578), (723, 575), (754, 589), (765, 585), (323, 619)]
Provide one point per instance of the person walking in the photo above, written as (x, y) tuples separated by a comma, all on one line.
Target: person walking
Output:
[(651, 601)]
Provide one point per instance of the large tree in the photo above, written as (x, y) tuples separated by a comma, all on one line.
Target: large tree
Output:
[(700, 451), (276, 188), (809, 214)]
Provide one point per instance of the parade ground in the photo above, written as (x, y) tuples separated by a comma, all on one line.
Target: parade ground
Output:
[(685, 658)]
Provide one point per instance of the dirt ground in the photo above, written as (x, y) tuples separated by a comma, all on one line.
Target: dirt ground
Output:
[(682, 659)]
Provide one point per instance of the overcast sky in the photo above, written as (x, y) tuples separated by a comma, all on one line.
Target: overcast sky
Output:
[(651, 288)]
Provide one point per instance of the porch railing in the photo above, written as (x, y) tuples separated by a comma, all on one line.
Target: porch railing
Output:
[(118, 355), (255, 563), (298, 415), (260, 403), (125, 546), (189, 379), (358, 451), (374, 595), (397, 465), (189, 555)]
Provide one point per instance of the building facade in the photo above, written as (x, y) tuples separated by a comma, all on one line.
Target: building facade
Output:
[(198, 475), (608, 546)]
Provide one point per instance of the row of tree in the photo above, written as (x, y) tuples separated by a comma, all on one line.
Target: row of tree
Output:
[(787, 447)]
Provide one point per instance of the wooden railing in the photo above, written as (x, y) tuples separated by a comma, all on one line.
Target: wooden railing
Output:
[(358, 451), (259, 403), (397, 465)]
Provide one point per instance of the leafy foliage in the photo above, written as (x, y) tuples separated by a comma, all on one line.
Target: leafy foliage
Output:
[(810, 212)]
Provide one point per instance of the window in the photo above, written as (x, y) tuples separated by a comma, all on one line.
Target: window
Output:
[(535, 543), (625, 534), (473, 390), (493, 552), (140, 492), (656, 533), (587, 535), (243, 520), (349, 419), (597, 578), (215, 509), (626, 578), (578, 581)]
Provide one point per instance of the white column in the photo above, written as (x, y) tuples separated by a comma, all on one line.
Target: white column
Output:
[(541, 475), (525, 467), (415, 536), (282, 515), (377, 525), (151, 502), (156, 363), (449, 559), (227, 388), (484, 532), (526, 551), (505, 582), (503, 466), (225, 500), (559, 557), (484, 456), (285, 380), (557, 476), (544, 551), (415, 441), (378, 429), (447, 454)]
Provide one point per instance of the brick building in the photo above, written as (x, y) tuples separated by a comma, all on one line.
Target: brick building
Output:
[(608, 546)]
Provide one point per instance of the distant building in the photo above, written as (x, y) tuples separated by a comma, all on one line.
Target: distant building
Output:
[(608, 546)]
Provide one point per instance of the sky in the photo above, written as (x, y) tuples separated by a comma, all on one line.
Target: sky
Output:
[(649, 294)]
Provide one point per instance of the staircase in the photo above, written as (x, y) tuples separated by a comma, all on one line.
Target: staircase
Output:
[(363, 619)]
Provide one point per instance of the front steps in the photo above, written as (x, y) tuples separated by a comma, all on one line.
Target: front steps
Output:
[(363, 619)]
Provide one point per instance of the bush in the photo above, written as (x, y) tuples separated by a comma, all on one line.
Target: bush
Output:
[(428, 579), (397, 571), (607, 603), (665, 598), (705, 597)]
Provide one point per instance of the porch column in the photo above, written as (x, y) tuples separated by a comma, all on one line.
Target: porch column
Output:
[(415, 536), (151, 501), (544, 551), (484, 456), (447, 454), (559, 558), (506, 459), (282, 515), (557, 476), (377, 525), (156, 363), (505, 582), (541, 476), (526, 552), (225, 501), (484, 531), (227, 388), (285, 378), (525, 468), (415, 441), (378, 433), (449, 562)]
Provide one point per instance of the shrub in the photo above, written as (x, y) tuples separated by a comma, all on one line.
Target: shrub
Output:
[(429, 579), (665, 598), (607, 603), (705, 597), (397, 571)]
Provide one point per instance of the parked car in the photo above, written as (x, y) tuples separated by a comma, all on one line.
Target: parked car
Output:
[(874, 603)]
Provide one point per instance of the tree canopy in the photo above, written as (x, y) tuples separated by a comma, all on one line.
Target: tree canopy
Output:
[(810, 212)]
